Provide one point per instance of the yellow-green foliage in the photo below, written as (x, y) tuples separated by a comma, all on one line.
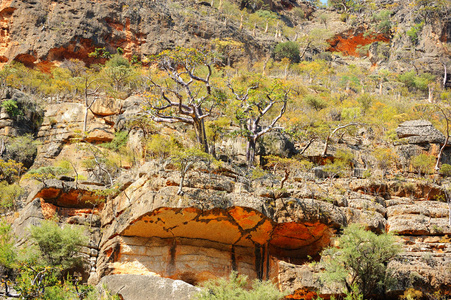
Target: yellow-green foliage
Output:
[(9, 194), (10, 170), (385, 157), (159, 146), (235, 288), (423, 163)]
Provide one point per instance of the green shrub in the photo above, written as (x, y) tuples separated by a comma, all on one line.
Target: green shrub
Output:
[(10, 170), (383, 20), (361, 260), (7, 249), (22, 149), (160, 146), (423, 163), (234, 288), (119, 141), (289, 50), (9, 193), (445, 170), (11, 107), (365, 101), (413, 32), (315, 102), (44, 173), (58, 246)]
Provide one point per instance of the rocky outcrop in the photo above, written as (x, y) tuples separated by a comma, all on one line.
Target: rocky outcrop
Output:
[(419, 132)]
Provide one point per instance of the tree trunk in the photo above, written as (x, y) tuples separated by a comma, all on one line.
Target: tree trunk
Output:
[(250, 151), (201, 136), (85, 121)]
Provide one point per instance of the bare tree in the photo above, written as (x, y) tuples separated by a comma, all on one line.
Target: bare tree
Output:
[(331, 134), (445, 111), (253, 108), (185, 96)]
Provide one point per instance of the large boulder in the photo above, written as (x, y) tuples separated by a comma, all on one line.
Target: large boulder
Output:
[(419, 132), (140, 287)]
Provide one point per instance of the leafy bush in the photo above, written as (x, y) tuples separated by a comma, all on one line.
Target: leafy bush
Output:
[(44, 173), (315, 102), (289, 50), (58, 246), (162, 147), (8, 195), (445, 170), (361, 260), (7, 249), (22, 149), (413, 32), (119, 141), (10, 170), (383, 19), (365, 101), (11, 107), (234, 288), (385, 157), (423, 163)]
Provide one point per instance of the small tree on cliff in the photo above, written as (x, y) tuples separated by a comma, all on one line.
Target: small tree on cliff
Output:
[(186, 159), (362, 261), (184, 92), (253, 105)]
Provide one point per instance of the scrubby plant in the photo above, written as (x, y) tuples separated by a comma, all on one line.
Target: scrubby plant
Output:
[(58, 246), (7, 250), (22, 149), (11, 107), (383, 21), (362, 261), (423, 163), (412, 33), (315, 102), (445, 170), (10, 171), (159, 146), (119, 141), (235, 288), (44, 173), (9, 193), (289, 50)]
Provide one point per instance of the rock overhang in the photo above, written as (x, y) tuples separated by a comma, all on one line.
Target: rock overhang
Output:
[(236, 225)]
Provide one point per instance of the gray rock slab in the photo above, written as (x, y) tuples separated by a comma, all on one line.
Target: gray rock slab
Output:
[(141, 287)]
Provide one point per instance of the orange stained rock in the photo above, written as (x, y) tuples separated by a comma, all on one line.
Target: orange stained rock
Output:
[(302, 294), (245, 217), (72, 198), (291, 235), (196, 245), (262, 234), (237, 225), (50, 210), (348, 43)]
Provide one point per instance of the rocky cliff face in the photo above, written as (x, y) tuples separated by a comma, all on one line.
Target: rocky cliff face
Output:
[(38, 33), (222, 223), (144, 233)]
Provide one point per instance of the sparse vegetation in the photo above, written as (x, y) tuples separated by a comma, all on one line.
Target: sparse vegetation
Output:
[(234, 288)]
